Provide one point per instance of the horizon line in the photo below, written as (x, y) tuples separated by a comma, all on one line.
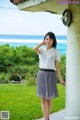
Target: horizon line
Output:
[(14, 36)]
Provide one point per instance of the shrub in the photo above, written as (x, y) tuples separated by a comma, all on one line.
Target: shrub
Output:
[(6, 55), (22, 63), (4, 78), (17, 72), (31, 81)]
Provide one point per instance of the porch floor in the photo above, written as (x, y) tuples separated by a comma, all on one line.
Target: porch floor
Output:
[(56, 116)]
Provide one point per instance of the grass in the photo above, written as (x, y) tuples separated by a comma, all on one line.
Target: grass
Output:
[(23, 104)]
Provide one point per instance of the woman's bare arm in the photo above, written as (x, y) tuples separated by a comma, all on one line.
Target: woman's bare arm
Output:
[(36, 48), (59, 73)]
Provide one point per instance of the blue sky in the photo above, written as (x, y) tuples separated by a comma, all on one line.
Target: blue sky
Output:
[(15, 21)]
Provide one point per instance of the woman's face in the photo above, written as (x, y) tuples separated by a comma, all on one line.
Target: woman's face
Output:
[(48, 41)]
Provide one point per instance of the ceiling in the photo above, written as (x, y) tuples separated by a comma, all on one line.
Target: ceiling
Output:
[(53, 6)]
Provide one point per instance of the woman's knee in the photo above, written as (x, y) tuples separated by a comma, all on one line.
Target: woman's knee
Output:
[(49, 101), (43, 100)]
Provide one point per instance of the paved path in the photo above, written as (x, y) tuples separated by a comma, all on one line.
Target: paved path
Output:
[(56, 116)]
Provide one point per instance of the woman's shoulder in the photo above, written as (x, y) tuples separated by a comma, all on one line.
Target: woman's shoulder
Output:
[(55, 49)]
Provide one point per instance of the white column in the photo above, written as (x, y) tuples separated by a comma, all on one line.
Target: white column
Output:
[(73, 67)]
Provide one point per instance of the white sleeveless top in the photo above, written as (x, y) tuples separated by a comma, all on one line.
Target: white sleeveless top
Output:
[(47, 58)]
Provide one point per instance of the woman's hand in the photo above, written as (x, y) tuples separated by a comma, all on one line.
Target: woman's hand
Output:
[(43, 42), (62, 82)]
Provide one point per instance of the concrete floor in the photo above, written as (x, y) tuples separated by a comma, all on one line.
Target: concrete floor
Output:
[(56, 116)]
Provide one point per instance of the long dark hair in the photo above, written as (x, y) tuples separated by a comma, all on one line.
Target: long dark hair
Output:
[(52, 36)]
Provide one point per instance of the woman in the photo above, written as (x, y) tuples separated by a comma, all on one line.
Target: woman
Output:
[(49, 58)]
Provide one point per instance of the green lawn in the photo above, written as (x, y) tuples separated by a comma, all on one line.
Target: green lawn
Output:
[(23, 104)]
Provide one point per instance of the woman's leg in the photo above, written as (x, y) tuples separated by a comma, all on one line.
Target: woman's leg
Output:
[(44, 105), (49, 102)]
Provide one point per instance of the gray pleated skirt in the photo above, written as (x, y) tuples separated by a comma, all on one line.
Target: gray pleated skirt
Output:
[(46, 84)]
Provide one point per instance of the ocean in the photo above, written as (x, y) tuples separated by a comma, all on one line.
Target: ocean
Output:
[(31, 41)]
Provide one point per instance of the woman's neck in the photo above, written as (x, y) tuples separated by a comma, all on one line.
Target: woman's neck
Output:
[(48, 47)]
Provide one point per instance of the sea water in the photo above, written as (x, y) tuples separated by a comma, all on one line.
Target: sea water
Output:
[(31, 41)]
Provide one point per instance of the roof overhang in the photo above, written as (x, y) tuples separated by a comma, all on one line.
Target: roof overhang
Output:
[(53, 6)]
